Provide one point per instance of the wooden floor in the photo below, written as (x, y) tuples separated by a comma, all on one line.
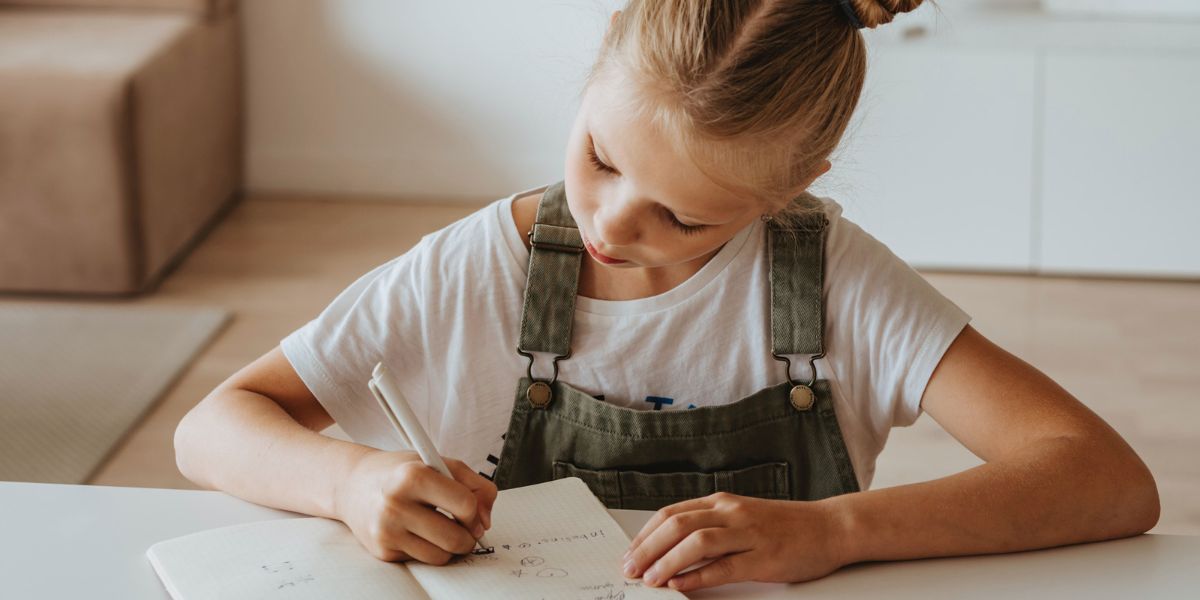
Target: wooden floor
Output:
[(1129, 349)]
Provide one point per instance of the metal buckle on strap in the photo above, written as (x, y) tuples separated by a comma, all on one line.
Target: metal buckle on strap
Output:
[(539, 393), (550, 246), (812, 364), (801, 396)]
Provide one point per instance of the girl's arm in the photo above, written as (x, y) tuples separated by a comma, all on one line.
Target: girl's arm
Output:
[(256, 436), (1056, 474), (256, 433)]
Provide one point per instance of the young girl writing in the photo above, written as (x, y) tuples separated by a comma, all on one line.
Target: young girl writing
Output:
[(684, 327)]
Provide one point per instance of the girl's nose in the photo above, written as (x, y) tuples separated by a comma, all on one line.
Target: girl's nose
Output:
[(617, 223)]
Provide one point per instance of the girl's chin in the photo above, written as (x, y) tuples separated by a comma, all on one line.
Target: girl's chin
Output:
[(623, 265)]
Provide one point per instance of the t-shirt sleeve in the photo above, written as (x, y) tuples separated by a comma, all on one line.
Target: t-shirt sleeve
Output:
[(376, 319), (888, 327)]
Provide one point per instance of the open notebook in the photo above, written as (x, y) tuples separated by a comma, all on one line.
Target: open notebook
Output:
[(552, 540)]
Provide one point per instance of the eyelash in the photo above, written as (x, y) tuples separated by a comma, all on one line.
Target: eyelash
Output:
[(667, 215)]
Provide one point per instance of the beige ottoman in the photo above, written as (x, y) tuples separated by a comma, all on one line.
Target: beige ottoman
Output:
[(120, 139)]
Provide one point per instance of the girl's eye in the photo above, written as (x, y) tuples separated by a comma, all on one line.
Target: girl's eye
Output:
[(595, 160), (668, 215), (682, 227)]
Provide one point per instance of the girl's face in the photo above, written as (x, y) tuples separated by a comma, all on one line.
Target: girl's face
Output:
[(634, 198)]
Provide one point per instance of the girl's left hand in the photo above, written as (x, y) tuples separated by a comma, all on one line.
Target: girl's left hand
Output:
[(751, 538)]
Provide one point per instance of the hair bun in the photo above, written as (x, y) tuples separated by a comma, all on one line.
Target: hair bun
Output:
[(873, 13)]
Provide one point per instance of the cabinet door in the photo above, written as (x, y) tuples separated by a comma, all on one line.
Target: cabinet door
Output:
[(1122, 164), (938, 161)]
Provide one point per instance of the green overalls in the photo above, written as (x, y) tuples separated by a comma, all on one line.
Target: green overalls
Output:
[(781, 442)]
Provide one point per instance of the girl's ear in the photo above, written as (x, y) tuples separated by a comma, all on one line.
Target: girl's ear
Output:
[(611, 21), (821, 170)]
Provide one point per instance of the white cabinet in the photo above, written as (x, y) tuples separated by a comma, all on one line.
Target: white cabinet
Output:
[(1012, 141), (1121, 146), (936, 163)]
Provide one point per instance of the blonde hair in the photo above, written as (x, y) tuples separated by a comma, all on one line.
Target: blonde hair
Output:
[(755, 92)]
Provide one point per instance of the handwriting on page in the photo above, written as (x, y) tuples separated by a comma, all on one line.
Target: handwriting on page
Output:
[(285, 575), (534, 559), (298, 559), (607, 590), (551, 540), (558, 539), (532, 565)]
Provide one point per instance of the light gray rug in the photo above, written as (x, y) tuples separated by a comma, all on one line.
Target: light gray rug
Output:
[(74, 378)]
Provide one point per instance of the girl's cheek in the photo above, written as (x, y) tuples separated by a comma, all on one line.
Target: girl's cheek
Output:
[(581, 211)]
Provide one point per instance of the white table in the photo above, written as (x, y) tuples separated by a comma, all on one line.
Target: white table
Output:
[(72, 541)]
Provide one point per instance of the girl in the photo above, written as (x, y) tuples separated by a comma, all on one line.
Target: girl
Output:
[(689, 331)]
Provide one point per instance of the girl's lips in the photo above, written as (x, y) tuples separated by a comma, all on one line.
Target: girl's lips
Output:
[(600, 257)]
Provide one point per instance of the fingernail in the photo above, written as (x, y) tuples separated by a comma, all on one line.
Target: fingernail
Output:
[(630, 569), (478, 530), (650, 576), (625, 557)]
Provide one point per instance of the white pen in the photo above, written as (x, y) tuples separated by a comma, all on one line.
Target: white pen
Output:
[(396, 407)]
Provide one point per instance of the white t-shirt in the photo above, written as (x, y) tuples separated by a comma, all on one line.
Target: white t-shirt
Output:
[(445, 318)]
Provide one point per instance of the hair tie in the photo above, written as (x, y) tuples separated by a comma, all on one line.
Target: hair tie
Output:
[(849, 10)]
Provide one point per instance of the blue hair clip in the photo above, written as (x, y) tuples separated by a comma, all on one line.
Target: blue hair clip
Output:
[(849, 10)]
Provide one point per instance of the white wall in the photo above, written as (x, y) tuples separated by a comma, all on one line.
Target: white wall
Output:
[(463, 99)]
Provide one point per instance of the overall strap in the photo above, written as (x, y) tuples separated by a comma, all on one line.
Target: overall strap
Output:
[(797, 280), (553, 278)]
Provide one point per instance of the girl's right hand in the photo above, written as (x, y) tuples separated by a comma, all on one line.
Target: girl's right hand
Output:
[(388, 501)]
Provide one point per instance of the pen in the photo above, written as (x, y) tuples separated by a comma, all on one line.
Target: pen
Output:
[(398, 411)]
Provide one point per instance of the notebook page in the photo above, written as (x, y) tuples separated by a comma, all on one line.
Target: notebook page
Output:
[(552, 540), (307, 558)]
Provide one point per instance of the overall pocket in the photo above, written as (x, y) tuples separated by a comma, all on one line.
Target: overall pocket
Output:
[(629, 489)]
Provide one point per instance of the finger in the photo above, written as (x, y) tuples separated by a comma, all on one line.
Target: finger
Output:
[(700, 544), (665, 513), (484, 489), (485, 510), (487, 501), (436, 528), (395, 543), (421, 549), (672, 531), (487, 514), (466, 476), (727, 569), (430, 487)]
